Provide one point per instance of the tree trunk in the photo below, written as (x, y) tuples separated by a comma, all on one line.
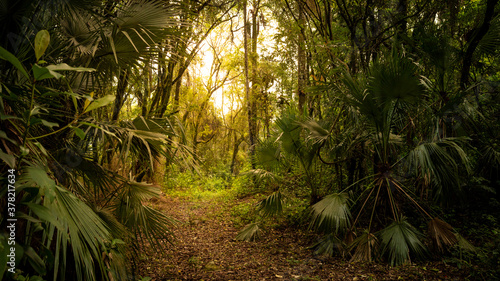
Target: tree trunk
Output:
[(120, 94), (474, 42), (301, 59), (251, 114)]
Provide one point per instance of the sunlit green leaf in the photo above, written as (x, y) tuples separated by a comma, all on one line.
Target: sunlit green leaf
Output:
[(41, 73), (42, 40), (100, 103)]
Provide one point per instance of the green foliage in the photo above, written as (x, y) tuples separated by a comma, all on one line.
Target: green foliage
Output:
[(80, 217), (331, 214), (399, 240), (249, 233)]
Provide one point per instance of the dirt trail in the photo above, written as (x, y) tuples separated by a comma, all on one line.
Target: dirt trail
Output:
[(205, 249)]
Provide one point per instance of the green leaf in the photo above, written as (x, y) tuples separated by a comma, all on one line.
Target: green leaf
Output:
[(8, 159), (3, 135), (42, 149), (331, 214), (100, 103), (49, 124), (35, 261), (79, 132), (272, 205), (42, 73), (328, 245), (42, 40), (399, 240), (6, 55), (24, 150), (65, 67), (7, 117), (249, 233)]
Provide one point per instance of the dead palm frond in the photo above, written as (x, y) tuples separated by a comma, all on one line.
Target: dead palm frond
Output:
[(365, 247), (441, 234)]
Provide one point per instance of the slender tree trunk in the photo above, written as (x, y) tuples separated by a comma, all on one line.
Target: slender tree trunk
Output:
[(301, 59), (236, 146), (120, 94), (474, 42), (251, 118)]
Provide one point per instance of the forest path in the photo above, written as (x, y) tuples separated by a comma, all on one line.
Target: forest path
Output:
[(205, 249)]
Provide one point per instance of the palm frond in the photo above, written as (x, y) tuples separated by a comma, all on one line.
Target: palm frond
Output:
[(489, 162), (249, 233), (365, 247), (317, 133), (141, 219), (329, 245), (331, 214), (399, 240), (441, 164), (272, 205), (268, 154), (441, 234), (73, 219)]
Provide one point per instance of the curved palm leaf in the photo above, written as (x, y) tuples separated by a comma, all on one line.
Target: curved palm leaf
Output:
[(399, 240), (441, 234), (365, 247), (272, 205), (331, 214), (249, 233), (440, 164)]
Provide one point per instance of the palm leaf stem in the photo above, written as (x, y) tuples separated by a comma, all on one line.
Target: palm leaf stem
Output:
[(358, 181), (363, 206), (411, 199), (391, 199), (374, 205)]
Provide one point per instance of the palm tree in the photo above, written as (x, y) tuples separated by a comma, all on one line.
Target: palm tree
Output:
[(78, 216), (386, 100)]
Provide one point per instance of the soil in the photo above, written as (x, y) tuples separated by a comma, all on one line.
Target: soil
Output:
[(205, 249)]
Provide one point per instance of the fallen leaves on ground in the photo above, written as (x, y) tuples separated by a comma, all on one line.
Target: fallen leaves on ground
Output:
[(205, 249)]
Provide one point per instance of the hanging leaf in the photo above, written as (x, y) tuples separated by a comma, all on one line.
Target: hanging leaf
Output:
[(42, 40), (8, 159), (100, 103), (6, 55), (49, 124), (366, 246), (42, 73), (441, 234)]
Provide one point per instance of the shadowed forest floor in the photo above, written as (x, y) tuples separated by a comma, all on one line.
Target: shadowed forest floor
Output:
[(205, 249)]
